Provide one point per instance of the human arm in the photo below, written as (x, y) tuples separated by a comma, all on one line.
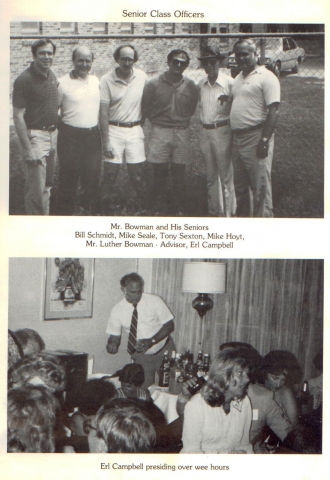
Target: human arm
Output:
[(145, 343), (193, 426), (22, 132), (268, 129), (147, 97), (184, 396), (104, 126), (285, 398), (113, 344), (247, 419)]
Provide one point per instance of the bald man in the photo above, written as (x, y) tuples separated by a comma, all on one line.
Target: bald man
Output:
[(79, 139)]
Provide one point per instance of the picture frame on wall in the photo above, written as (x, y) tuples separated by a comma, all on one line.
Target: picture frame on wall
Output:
[(69, 288)]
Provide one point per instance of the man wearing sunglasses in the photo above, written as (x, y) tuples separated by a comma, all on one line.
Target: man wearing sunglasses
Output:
[(168, 102), (215, 95)]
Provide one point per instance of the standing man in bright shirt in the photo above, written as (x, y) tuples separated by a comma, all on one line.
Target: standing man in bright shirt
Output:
[(120, 120), (253, 118), (215, 96), (79, 139), (35, 109)]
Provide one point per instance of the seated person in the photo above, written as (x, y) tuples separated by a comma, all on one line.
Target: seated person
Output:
[(30, 341), (280, 370), (218, 418), (31, 420), (121, 427), (132, 379)]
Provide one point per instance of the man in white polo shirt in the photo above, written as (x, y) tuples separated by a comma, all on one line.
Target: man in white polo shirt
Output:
[(253, 118), (154, 324), (79, 139), (120, 121), (215, 99)]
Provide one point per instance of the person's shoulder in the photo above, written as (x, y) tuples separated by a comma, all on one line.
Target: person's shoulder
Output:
[(25, 75), (151, 297), (284, 393), (154, 81), (190, 82), (259, 390), (64, 78), (107, 76), (140, 73)]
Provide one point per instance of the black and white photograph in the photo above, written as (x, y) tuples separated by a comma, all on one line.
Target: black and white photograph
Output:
[(211, 119), (198, 356)]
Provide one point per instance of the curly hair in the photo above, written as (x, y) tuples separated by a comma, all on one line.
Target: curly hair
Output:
[(130, 278), (279, 362), (31, 417), (124, 428), (222, 370), (29, 338), (42, 365)]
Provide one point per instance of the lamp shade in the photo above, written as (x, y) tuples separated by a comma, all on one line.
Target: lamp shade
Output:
[(204, 277)]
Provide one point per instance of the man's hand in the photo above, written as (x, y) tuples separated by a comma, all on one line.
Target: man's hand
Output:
[(191, 382), (262, 148), (143, 345), (112, 347), (107, 150)]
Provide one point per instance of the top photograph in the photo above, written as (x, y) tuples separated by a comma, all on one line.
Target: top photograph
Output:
[(166, 119)]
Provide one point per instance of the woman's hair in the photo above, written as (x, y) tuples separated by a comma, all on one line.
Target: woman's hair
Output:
[(31, 416), (245, 350), (279, 362), (94, 393), (124, 428), (221, 372), (28, 337), (42, 365)]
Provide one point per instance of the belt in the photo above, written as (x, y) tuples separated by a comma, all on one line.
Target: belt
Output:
[(242, 131), (212, 126), (78, 129), (171, 126), (125, 125), (51, 128)]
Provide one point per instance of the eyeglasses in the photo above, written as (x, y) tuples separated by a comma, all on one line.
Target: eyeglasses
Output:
[(127, 60), (177, 62), (87, 426), (211, 61)]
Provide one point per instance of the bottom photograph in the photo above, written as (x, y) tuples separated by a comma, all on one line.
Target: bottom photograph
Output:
[(154, 355)]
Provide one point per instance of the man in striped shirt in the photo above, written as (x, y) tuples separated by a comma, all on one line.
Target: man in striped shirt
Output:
[(216, 141), (35, 106)]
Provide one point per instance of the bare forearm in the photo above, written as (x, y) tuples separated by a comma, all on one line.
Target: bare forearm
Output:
[(271, 121), (164, 331), (22, 133), (104, 122)]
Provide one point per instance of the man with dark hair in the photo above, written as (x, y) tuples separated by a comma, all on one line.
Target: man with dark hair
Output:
[(169, 101), (120, 120), (79, 139), (149, 323), (253, 118), (215, 97), (35, 106)]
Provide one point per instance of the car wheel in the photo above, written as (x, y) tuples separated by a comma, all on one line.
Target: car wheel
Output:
[(277, 69), (295, 69)]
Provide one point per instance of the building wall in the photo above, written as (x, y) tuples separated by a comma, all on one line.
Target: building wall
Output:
[(26, 308)]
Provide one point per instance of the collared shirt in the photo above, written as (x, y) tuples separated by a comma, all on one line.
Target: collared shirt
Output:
[(79, 100), (251, 97), (38, 94), (212, 108), (124, 98), (169, 105), (152, 314)]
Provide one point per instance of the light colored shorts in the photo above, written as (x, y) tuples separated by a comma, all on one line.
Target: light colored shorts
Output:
[(127, 144), (169, 145)]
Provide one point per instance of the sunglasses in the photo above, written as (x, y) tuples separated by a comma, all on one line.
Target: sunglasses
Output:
[(211, 61), (177, 62)]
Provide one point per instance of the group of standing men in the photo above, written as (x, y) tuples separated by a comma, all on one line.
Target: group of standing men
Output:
[(238, 120)]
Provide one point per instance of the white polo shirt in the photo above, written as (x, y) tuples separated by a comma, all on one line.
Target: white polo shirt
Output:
[(211, 108), (79, 100), (251, 97), (152, 314), (124, 98)]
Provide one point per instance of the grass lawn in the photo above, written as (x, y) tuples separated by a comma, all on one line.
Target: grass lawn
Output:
[(298, 168)]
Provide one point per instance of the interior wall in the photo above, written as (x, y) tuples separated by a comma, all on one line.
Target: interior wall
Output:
[(26, 308)]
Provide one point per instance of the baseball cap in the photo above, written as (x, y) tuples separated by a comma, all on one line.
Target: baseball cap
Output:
[(212, 52)]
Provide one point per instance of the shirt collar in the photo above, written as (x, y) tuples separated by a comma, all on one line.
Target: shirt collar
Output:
[(163, 77), (117, 79), (219, 80), (73, 75), (237, 403), (258, 69)]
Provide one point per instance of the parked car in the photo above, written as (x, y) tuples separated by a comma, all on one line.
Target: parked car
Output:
[(281, 53)]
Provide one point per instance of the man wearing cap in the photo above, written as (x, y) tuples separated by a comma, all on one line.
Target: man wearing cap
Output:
[(120, 121), (169, 101), (35, 107), (253, 118), (215, 96), (149, 323), (79, 139)]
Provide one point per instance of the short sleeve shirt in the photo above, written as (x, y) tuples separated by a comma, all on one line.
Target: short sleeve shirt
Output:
[(124, 98), (252, 96), (152, 314), (38, 94), (79, 100), (215, 100)]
